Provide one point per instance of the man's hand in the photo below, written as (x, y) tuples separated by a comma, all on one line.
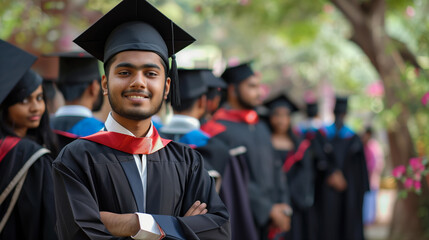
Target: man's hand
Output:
[(197, 208), (337, 181), (121, 225), (125, 225), (279, 218)]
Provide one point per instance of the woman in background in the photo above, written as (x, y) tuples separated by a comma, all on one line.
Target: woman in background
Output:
[(28, 211), (295, 158)]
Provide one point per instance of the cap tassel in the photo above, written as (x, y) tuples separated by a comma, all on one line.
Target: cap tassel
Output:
[(175, 90), (174, 75)]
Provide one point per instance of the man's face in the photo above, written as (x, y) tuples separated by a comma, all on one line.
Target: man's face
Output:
[(137, 84), (249, 92)]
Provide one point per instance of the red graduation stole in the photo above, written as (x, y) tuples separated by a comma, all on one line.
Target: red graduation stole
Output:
[(213, 128), (65, 134), (297, 156), (129, 144), (7, 144), (233, 115)]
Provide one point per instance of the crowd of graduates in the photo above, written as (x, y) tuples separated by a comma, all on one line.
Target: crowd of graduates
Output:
[(225, 164)]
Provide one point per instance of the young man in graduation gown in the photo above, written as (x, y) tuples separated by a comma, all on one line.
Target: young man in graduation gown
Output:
[(184, 126), (237, 124), (127, 181), (79, 82), (33, 215), (341, 195)]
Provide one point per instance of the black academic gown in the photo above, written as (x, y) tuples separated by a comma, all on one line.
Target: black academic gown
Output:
[(323, 165), (33, 216), (90, 177), (233, 191), (300, 181), (340, 213), (259, 156)]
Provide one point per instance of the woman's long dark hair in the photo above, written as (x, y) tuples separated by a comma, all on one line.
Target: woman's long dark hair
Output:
[(43, 134)]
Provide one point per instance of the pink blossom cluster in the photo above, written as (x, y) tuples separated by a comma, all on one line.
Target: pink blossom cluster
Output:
[(412, 174), (425, 99)]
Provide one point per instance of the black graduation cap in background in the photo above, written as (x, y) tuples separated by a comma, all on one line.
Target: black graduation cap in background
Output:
[(77, 67), (49, 88), (312, 109), (237, 74), (14, 64), (136, 25), (76, 71), (340, 105), (192, 83), (211, 80), (281, 100)]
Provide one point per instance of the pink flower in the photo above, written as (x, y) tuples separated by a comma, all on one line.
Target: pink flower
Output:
[(328, 8), (425, 99), (234, 61), (408, 183), (375, 89), (417, 165), (417, 185), (244, 2), (399, 171), (410, 12)]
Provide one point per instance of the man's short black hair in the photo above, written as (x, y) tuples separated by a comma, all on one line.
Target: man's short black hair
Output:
[(186, 104)]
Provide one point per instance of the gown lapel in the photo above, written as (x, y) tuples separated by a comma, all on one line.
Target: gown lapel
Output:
[(135, 182)]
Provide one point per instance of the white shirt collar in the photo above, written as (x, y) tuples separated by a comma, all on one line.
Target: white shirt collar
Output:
[(181, 124), (113, 126), (73, 110)]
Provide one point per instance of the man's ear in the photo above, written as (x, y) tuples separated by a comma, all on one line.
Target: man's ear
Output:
[(202, 102), (95, 87), (104, 85), (231, 90), (167, 87)]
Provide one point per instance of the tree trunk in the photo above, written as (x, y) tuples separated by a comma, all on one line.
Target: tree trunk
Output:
[(367, 21)]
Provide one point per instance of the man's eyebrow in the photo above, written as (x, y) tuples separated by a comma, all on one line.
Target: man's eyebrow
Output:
[(129, 65)]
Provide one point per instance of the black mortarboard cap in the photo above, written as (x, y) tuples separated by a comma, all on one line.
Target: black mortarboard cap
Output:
[(281, 101), (77, 67), (76, 71), (211, 80), (25, 86), (14, 63), (340, 105), (312, 109), (192, 84), (237, 74), (136, 25)]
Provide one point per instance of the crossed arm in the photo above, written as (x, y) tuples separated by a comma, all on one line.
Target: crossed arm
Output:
[(125, 225)]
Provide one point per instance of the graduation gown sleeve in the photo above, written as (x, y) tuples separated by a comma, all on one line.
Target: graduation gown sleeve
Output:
[(78, 214)]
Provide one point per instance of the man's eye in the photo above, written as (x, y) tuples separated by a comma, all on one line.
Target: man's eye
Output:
[(152, 74), (123, 73)]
